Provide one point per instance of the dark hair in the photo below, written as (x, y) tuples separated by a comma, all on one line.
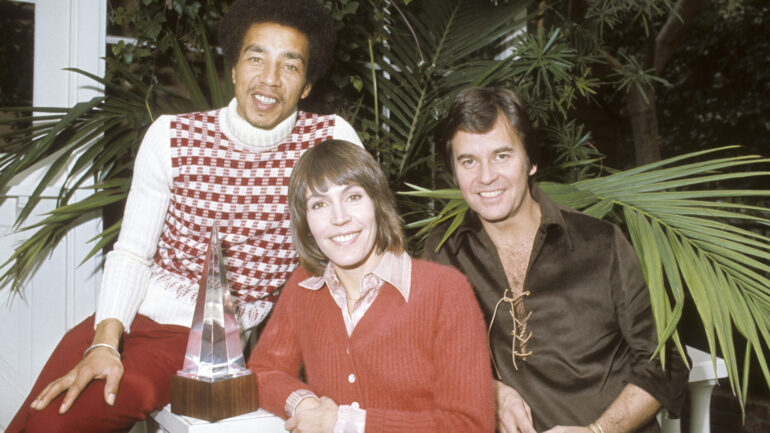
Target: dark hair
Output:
[(476, 110), (340, 162), (308, 16)]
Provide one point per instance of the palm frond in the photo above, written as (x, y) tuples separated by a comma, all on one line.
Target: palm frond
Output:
[(417, 63), (103, 135)]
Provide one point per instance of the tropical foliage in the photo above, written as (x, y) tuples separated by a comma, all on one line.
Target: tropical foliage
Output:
[(104, 133), (685, 224), (719, 76), (399, 63)]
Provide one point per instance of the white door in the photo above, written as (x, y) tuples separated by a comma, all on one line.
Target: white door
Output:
[(68, 33)]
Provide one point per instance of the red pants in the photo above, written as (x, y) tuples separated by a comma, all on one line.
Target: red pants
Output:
[(152, 353)]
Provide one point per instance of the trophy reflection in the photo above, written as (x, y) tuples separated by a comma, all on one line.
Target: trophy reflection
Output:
[(214, 382)]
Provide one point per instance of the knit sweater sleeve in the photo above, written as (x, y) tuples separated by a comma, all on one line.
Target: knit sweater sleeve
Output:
[(127, 268), (344, 131), (462, 387), (276, 358)]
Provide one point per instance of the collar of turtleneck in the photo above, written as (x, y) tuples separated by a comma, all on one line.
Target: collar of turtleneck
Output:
[(241, 132)]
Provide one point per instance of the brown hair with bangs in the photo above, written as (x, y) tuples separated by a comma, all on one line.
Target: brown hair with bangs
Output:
[(339, 162)]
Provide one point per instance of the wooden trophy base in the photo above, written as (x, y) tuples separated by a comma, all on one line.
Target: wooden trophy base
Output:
[(213, 401)]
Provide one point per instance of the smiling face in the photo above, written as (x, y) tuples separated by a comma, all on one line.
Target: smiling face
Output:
[(343, 223), (270, 75), (492, 172)]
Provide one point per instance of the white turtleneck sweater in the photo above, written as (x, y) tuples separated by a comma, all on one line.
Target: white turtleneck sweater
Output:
[(125, 288)]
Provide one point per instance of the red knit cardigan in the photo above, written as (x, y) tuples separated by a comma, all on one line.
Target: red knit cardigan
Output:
[(417, 366)]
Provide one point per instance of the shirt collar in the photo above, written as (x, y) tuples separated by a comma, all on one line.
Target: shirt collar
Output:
[(396, 269), (551, 217)]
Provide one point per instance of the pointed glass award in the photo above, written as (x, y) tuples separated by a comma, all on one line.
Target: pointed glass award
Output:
[(214, 382), (214, 347)]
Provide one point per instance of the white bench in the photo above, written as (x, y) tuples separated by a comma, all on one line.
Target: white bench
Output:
[(163, 421), (260, 421), (703, 376)]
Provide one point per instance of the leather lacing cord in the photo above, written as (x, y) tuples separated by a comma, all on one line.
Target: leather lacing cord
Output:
[(519, 332)]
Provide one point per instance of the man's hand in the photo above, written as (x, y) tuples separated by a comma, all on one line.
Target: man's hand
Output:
[(100, 363), (317, 416), (513, 413)]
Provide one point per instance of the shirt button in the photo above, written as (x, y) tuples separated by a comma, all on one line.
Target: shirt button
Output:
[(352, 378), (354, 405)]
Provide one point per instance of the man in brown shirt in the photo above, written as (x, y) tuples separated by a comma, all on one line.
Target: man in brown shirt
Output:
[(571, 329)]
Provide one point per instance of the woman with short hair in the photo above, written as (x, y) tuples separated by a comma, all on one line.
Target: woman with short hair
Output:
[(388, 343)]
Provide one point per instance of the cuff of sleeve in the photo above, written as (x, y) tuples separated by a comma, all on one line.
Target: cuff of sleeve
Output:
[(350, 420), (668, 387), (295, 398), (123, 286)]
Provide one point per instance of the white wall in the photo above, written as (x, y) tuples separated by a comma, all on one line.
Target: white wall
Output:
[(68, 33)]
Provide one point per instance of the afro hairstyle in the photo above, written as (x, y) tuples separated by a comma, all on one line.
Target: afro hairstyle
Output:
[(308, 16)]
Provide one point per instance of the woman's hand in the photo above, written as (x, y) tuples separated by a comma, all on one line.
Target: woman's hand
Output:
[(315, 416)]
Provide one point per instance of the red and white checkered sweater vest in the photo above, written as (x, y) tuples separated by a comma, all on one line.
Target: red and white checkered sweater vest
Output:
[(245, 193)]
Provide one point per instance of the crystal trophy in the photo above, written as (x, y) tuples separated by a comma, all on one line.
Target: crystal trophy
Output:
[(214, 382)]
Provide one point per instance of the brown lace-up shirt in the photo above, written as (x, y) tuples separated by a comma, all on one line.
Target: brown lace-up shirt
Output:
[(587, 309)]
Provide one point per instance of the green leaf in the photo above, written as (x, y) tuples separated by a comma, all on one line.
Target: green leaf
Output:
[(187, 77)]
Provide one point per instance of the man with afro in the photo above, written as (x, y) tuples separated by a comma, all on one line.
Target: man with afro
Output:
[(228, 167)]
